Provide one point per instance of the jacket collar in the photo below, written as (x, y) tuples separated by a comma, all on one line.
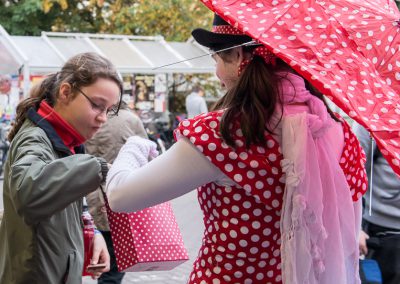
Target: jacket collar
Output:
[(66, 131), (56, 141)]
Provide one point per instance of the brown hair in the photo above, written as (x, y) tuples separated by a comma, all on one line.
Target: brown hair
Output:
[(80, 70), (253, 100)]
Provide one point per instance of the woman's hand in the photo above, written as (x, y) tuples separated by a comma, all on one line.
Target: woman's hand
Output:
[(362, 243), (135, 153), (100, 256)]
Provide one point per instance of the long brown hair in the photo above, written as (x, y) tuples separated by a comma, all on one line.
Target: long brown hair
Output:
[(80, 70), (253, 100)]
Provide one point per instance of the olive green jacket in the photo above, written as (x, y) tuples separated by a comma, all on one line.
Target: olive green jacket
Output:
[(41, 239)]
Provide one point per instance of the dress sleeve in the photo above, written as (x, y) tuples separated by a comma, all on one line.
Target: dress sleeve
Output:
[(256, 169), (352, 163), (203, 132)]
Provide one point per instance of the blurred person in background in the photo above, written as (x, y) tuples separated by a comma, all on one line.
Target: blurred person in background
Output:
[(5, 90), (4, 143), (382, 227), (195, 102), (5, 84)]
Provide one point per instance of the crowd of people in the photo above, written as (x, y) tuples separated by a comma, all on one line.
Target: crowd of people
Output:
[(279, 176)]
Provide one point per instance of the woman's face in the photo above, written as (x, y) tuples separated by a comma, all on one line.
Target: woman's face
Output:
[(85, 108), (227, 67)]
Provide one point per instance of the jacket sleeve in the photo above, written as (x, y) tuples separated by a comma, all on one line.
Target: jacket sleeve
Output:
[(365, 142), (129, 125), (363, 136), (42, 185), (137, 127)]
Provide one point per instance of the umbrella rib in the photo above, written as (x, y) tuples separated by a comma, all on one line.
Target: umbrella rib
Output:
[(249, 43)]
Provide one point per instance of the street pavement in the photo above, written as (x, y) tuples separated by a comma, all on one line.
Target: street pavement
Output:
[(189, 218)]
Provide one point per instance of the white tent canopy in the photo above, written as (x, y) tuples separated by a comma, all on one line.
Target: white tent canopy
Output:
[(39, 55)]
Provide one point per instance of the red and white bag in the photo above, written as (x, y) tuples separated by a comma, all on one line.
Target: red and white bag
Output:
[(147, 240)]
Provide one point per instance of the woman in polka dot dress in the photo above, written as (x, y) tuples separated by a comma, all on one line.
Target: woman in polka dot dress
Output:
[(244, 168)]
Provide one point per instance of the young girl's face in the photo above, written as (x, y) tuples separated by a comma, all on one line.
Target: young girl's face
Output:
[(86, 111), (228, 63), (227, 70)]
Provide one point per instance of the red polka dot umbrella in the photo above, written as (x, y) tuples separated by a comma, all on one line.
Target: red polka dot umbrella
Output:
[(348, 49)]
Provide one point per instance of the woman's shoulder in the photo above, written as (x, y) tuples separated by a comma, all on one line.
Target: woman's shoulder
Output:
[(352, 162), (31, 134), (201, 122), (29, 130), (348, 133), (212, 115)]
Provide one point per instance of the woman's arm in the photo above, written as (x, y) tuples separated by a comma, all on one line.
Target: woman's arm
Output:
[(176, 172)]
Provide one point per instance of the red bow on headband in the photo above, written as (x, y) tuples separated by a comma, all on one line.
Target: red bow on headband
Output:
[(261, 51)]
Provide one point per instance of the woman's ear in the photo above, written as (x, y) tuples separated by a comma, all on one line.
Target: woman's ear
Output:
[(65, 92), (241, 55)]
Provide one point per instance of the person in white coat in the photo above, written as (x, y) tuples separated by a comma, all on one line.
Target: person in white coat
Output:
[(195, 102)]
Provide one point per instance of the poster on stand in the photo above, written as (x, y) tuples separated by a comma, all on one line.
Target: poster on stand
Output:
[(159, 102), (160, 83), (144, 90)]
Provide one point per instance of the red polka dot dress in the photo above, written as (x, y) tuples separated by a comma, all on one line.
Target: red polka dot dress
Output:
[(241, 242)]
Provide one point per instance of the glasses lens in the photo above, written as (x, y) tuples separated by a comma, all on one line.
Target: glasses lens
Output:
[(113, 111)]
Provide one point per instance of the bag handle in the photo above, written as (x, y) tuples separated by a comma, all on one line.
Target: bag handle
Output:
[(103, 195)]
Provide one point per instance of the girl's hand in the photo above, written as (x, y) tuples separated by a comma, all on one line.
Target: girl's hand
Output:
[(100, 256)]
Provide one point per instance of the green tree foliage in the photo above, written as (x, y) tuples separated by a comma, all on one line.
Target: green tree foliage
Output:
[(174, 19), (24, 17)]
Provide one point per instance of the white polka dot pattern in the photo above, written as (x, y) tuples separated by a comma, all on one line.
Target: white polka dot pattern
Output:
[(147, 240), (241, 242), (226, 29), (348, 49), (352, 162)]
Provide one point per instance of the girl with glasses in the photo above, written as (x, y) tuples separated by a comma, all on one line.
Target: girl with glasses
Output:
[(47, 173)]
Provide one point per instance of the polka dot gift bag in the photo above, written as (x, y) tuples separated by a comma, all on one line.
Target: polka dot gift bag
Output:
[(147, 240)]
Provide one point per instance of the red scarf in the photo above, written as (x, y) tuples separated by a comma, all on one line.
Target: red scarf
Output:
[(67, 133)]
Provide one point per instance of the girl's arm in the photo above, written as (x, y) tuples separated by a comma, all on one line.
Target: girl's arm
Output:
[(41, 185)]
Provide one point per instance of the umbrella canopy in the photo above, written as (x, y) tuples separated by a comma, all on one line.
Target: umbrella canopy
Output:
[(348, 49)]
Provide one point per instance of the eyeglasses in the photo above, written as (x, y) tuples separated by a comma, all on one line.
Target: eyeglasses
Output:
[(99, 109)]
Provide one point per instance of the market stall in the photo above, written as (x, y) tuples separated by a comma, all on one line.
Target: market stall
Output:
[(28, 58)]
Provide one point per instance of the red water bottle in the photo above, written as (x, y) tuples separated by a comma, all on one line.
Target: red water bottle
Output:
[(88, 235)]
